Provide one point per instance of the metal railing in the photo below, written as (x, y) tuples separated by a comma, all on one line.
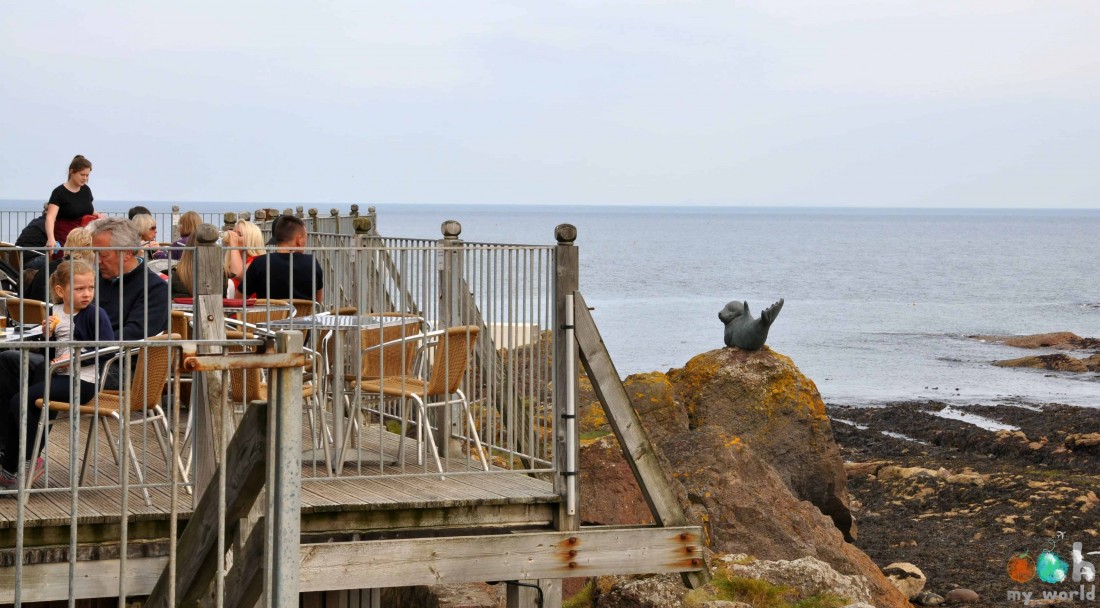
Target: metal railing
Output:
[(499, 299)]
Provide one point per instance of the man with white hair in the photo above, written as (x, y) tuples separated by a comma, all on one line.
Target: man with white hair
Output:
[(135, 298)]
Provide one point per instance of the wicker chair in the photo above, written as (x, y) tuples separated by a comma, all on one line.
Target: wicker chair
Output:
[(27, 311), (451, 350), (149, 376)]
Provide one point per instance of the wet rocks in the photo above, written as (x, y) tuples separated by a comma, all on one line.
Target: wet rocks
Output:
[(1058, 362), (807, 575), (1063, 340), (906, 577), (927, 598), (962, 596)]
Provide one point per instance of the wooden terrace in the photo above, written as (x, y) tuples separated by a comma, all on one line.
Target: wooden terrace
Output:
[(364, 527)]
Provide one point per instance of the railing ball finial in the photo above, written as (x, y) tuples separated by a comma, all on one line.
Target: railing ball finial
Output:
[(362, 225), (371, 209), (451, 229), (229, 219), (207, 234), (355, 211), (334, 212), (288, 211), (313, 212), (298, 210), (261, 215), (175, 208), (244, 215), (565, 233)]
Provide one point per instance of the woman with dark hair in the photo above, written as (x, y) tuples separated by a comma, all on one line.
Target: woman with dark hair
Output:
[(69, 203)]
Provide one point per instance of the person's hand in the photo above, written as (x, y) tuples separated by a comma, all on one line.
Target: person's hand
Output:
[(51, 244), (99, 215)]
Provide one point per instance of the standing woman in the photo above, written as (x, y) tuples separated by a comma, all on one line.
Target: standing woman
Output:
[(69, 203)]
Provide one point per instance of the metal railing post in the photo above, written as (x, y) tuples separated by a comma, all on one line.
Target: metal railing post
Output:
[(284, 475)]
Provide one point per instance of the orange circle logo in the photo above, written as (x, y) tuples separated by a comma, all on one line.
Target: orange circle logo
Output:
[(1021, 568)]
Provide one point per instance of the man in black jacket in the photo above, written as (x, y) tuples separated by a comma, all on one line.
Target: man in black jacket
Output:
[(135, 298)]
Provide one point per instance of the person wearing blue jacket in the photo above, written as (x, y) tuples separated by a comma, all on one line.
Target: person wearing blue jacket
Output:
[(74, 317)]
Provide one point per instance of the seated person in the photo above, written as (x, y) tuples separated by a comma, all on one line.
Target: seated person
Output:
[(189, 221), (146, 226), (250, 240), (136, 211), (38, 288), (135, 298), (183, 275), (288, 272), (74, 317)]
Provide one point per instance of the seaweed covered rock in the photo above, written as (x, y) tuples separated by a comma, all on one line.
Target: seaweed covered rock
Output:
[(744, 439), (763, 399)]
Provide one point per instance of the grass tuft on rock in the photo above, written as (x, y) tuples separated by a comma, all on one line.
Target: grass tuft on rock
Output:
[(758, 593)]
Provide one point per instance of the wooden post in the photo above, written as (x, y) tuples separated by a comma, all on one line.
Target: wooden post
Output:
[(175, 223), (566, 281), (207, 393), (354, 211), (373, 215), (450, 312), (312, 219), (298, 212), (229, 220)]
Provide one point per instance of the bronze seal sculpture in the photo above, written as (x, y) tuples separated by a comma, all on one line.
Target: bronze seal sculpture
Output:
[(742, 330)]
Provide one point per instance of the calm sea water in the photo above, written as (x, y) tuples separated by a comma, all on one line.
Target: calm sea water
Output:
[(879, 303)]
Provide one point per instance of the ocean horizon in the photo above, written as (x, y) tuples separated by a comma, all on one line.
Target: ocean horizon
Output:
[(880, 303)]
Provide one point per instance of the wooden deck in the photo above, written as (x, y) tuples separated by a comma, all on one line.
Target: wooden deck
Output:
[(360, 503)]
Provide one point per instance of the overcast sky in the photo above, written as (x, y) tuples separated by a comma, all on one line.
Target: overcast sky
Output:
[(883, 103)]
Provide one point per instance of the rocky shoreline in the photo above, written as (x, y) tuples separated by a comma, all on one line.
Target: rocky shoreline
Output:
[(959, 501)]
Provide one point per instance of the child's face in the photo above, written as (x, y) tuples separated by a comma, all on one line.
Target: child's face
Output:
[(83, 291)]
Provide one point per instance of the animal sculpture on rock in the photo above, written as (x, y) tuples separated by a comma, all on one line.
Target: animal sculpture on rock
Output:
[(742, 330)]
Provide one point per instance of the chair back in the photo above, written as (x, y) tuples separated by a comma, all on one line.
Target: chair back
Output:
[(264, 310), (450, 357), (303, 308), (181, 324), (27, 311), (394, 359), (150, 372), (244, 384)]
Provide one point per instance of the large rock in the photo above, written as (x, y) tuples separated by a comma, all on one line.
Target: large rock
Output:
[(809, 576), (1064, 340), (744, 499), (760, 397), (1057, 362), (907, 578)]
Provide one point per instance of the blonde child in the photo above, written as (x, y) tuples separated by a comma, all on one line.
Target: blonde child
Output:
[(75, 317)]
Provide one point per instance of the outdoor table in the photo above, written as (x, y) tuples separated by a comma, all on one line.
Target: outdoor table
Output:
[(340, 324)]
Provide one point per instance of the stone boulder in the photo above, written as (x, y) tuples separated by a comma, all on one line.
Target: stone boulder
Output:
[(743, 498), (760, 397), (1058, 362), (907, 578), (807, 575), (1064, 340)]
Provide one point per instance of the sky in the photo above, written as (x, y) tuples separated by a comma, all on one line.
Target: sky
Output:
[(864, 103)]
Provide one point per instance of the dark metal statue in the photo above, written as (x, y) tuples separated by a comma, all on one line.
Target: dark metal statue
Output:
[(742, 330)]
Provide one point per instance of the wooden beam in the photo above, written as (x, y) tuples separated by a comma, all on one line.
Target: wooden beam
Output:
[(586, 552), (245, 476), (247, 573), (637, 449), (94, 579)]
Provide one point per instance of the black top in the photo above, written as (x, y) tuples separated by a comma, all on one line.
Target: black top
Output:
[(138, 296), (39, 287), (34, 235), (72, 205), (292, 275)]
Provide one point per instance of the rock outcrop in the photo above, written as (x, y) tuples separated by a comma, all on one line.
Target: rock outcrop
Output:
[(1062, 340), (745, 439), (762, 398), (1058, 362)]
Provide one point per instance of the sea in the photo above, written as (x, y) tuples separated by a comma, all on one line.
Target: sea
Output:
[(881, 305)]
